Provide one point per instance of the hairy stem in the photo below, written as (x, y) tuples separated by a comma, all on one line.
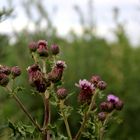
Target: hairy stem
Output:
[(86, 116), (65, 119)]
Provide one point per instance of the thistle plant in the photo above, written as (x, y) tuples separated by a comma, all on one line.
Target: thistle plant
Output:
[(45, 75)]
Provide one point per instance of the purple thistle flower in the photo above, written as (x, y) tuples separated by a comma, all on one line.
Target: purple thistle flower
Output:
[(85, 86), (86, 90), (112, 98)]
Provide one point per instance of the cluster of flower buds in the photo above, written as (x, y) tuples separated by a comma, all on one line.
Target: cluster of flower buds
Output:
[(6, 72), (98, 82), (112, 103), (87, 88), (37, 77), (41, 47)]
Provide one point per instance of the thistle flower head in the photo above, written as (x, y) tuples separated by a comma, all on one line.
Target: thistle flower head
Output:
[(106, 106), (85, 85), (86, 90), (119, 105), (102, 85), (5, 69), (60, 64), (4, 80), (112, 98), (55, 75), (102, 116), (61, 93), (32, 68), (15, 71), (54, 49), (36, 78), (42, 48), (95, 79), (42, 43), (35, 74), (33, 46)]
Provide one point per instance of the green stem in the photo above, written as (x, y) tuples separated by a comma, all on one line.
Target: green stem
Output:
[(26, 111), (65, 119), (44, 66), (86, 116), (34, 58)]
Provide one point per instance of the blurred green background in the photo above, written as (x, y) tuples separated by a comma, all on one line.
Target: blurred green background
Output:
[(117, 62)]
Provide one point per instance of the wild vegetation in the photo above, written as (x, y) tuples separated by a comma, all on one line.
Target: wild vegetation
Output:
[(117, 62)]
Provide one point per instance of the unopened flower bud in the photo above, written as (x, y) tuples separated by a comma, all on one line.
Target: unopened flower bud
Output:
[(3, 79), (119, 105), (102, 85), (54, 49), (103, 106), (61, 93), (102, 116), (56, 74), (110, 106), (95, 79), (106, 106), (15, 71), (4, 69), (42, 51), (42, 48), (33, 46)]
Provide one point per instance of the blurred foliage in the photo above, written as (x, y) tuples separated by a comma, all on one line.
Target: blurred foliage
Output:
[(116, 62), (5, 13)]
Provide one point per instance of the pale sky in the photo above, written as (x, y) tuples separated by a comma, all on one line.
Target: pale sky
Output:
[(66, 18)]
